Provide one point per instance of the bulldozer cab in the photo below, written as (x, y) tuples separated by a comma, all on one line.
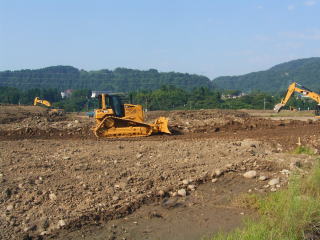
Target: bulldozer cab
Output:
[(113, 102), (117, 106)]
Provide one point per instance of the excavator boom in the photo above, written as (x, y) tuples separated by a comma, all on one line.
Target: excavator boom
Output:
[(36, 101), (294, 87)]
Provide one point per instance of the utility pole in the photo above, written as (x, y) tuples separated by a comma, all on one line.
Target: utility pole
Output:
[(264, 103)]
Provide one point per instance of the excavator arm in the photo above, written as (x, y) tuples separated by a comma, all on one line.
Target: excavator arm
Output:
[(44, 102), (302, 90)]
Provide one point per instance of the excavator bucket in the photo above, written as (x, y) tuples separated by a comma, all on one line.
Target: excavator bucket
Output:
[(278, 107), (161, 125)]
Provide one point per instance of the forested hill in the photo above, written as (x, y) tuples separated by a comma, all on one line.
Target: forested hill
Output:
[(304, 71), (120, 79)]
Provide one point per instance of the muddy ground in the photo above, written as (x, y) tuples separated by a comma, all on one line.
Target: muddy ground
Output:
[(59, 182)]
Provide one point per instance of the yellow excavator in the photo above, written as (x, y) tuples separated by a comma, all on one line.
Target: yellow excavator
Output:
[(295, 87), (52, 111), (115, 120), (37, 101)]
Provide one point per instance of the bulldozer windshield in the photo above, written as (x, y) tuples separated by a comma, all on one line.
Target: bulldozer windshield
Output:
[(116, 106)]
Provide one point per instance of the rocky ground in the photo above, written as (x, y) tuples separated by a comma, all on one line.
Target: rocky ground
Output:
[(58, 181)]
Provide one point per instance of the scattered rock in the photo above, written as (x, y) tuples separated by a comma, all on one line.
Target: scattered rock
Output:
[(228, 166), (76, 121), (61, 223), (31, 227), (182, 192), (139, 155), (170, 203), (214, 180), (191, 187), (115, 198), (44, 233), (250, 174), (52, 197), (273, 189), (274, 181), (161, 193), (217, 173), (185, 182), (263, 178), (66, 158), (285, 172), (10, 207)]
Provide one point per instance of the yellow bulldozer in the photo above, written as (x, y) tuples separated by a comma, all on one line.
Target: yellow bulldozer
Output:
[(116, 120), (295, 87)]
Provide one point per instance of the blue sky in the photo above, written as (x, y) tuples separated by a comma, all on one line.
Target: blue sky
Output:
[(208, 37)]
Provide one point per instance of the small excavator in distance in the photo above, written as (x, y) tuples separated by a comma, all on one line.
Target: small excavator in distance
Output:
[(116, 120), (52, 111), (37, 101), (295, 87)]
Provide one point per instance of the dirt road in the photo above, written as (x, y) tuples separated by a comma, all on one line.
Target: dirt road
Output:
[(59, 182)]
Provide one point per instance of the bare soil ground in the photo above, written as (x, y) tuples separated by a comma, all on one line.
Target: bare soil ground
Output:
[(59, 182)]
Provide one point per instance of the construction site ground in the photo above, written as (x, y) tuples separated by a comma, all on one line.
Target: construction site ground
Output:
[(59, 182)]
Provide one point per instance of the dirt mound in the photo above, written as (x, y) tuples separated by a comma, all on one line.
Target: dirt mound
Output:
[(210, 121), (15, 113)]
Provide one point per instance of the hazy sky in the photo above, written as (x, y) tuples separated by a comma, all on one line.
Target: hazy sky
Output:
[(209, 37)]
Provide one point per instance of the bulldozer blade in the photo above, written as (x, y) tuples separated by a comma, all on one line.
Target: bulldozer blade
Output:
[(161, 125), (278, 107)]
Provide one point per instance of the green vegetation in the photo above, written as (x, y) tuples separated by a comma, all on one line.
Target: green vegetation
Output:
[(304, 150), (289, 214), (12, 95), (118, 80), (276, 79), (164, 98)]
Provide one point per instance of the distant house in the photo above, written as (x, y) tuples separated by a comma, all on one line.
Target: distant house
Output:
[(233, 96), (66, 94)]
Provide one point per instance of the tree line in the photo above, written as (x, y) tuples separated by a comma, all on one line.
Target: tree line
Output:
[(165, 98), (117, 80)]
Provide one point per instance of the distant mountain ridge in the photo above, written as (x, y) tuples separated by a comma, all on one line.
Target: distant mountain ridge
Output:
[(120, 79), (304, 71)]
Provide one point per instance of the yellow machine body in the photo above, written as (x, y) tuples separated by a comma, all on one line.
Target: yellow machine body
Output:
[(294, 87), (37, 101), (128, 124)]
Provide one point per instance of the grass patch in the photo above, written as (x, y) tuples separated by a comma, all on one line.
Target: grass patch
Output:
[(290, 214), (303, 150)]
